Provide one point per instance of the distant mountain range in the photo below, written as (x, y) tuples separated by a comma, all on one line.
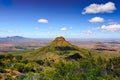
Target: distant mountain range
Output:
[(13, 37)]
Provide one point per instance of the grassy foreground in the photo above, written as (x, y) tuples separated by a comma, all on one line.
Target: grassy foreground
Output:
[(15, 67), (60, 60)]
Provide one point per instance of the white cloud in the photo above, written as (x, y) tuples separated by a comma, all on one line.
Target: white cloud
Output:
[(99, 8), (96, 20), (113, 27), (63, 29), (43, 21)]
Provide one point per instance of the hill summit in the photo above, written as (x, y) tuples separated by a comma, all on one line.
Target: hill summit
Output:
[(59, 44), (60, 38), (58, 49)]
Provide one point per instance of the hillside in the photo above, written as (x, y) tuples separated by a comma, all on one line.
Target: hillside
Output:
[(59, 44), (57, 49), (59, 60)]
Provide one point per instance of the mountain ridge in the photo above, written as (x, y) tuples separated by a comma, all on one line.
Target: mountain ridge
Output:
[(13, 37), (58, 49), (59, 44)]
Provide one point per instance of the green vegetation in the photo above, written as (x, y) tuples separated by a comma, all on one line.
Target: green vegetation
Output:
[(59, 44), (60, 60), (89, 68), (20, 48), (57, 49)]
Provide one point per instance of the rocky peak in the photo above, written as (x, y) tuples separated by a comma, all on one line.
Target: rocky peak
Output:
[(60, 38)]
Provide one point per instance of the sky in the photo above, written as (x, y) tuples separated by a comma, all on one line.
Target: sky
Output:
[(52, 18)]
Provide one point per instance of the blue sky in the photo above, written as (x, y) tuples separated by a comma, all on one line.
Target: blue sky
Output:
[(68, 18)]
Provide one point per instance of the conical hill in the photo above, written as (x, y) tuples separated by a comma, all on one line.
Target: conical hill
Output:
[(58, 48), (59, 44)]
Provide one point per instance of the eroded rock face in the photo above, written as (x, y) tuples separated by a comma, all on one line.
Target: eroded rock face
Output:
[(60, 38)]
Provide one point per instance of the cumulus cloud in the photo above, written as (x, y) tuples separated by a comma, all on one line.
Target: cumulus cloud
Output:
[(96, 20), (113, 27), (43, 21), (63, 29), (99, 8)]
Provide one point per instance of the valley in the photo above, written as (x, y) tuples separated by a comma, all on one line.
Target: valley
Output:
[(59, 58), (108, 46)]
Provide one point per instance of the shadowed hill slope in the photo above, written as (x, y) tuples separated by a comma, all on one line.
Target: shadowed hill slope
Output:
[(59, 44), (57, 49)]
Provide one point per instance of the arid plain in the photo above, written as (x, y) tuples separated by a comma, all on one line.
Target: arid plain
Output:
[(108, 46)]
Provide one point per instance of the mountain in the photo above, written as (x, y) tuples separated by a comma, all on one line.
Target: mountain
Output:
[(12, 38), (59, 44), (15, 37), (58, 49)]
